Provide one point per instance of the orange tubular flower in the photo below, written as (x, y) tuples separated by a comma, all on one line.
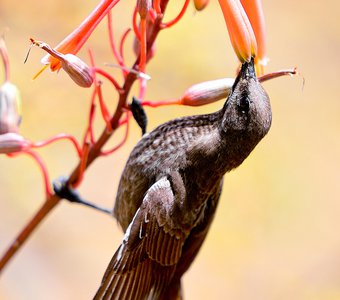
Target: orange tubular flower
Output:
[(76, 39), (240, 30), (255, 14)]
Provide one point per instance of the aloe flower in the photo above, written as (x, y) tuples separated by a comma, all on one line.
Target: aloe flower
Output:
[(76, 39), (246, 27), (255, 14)]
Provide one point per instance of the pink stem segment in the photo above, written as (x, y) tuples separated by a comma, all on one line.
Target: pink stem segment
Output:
[(61, 136), (108, 152), (43, 169), (107, 76), (113, 44)]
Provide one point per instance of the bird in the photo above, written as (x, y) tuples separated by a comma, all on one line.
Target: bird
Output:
[(170, 188)]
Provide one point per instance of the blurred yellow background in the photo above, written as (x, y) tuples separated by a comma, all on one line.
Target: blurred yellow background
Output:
[(276, 233)]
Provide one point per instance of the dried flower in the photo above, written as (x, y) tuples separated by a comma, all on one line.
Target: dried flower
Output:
[(12, 142), (78, 70), (207, 92)]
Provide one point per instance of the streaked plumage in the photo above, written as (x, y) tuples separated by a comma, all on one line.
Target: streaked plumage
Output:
[(170, 188)]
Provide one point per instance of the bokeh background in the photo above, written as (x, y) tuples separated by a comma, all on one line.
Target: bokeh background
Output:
[(276, 232)]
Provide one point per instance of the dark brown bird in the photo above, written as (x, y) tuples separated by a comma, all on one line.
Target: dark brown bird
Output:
[(170, 188)]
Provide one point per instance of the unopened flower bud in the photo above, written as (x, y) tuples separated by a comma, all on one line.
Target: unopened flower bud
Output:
[(10, 108), (12, 142), (200, 4), (207, 92), (78, 70)]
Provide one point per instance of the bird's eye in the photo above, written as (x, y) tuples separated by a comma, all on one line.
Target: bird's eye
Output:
[(244, 104)]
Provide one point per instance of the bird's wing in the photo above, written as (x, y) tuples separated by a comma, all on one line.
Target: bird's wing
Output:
[(146, 260)]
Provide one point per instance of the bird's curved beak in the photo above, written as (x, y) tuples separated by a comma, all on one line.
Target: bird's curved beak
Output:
[(247, 71)]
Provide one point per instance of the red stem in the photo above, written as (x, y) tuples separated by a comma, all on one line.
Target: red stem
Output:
[(180, 15), (143, 47), (89, 130), (43, 169), (157, 6), (107, 76), (103, 108), (83, 162), (122, 42), (91, 118), (108, 152), (161, 103), (113, 44), (61, 136), (134, 23), (278, 74)]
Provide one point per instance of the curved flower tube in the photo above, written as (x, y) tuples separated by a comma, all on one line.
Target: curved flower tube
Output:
[(240, 31), (77, 38), (255, 14)]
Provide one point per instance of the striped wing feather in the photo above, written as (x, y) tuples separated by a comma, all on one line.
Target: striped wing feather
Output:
[(146, 260)]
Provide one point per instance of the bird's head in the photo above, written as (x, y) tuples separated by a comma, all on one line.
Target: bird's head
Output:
[(247, 111)]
